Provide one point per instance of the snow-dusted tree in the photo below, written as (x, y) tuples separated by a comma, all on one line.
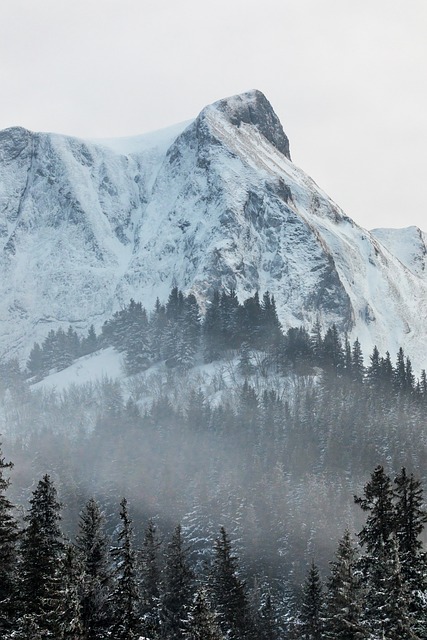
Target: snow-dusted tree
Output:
[(344, 595), (312, 606), (377, 502), (8, 541), (201, 622), (150, 582), (71, 623), (93, 547), (411, 517), (126, 594), (42, 555), (177, 587), (212, 330), (229, 592)]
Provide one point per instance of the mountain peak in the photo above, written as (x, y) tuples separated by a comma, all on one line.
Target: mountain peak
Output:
[(252, 107)]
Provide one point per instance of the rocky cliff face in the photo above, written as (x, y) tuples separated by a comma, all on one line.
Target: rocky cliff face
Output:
[(217, 202)]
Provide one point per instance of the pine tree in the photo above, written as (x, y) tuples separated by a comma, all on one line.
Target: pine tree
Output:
[(229, 311), (344, 595), (332, 351), (126, 594), (35, 361), (71, 623), (177, 587), (373, 372), (213, 345), (410, 520), (201, 623), (42, 555), (150, 582), (378, 503), (400, 371), (312, 606), (92, 545), (229, 591), (8, 551), (357, 367)]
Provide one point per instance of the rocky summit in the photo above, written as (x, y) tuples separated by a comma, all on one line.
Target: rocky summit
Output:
[(215, 202)]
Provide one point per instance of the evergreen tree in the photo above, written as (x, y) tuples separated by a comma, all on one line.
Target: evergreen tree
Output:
[(378, 503), (410, 520), (137, 346), (373, 372), (126, 594), (42, 555), (150, 582), (35, 361), (316, 342), (212, 330), (344, 595), (8, 551), (201, 623), (271, 332), (332, 351), (71, 623), (229, 592), (312, 606), (92, 544), (387, 370), (400, 371), (229, 316), (90, 343), (177, 588), (357, 368)]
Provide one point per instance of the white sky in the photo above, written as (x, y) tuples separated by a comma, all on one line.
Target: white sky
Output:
[(347, 78)]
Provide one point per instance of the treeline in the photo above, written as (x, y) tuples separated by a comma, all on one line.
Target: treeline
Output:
[(99, 587), (176, 333)]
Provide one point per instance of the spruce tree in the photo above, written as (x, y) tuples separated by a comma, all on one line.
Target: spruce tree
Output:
[(229, 591), (150, 582), (126, 594), (312, 606), (344, 595), (8, 551), (42, 555), (177, 587), (378, 503), (201, 622), (92, 545), (410, 520)]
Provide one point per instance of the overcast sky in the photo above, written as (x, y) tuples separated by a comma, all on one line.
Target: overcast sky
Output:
[(347, 78)]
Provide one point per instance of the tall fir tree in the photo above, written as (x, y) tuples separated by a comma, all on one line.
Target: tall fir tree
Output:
[(42, 557), (126, 595), (344, 596), (230, 597), (96, 582), (177, 588), (312, 606), (8, 550), (150, 582), (201, 622)]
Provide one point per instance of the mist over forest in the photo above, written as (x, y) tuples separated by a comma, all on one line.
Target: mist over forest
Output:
[(229, 429)]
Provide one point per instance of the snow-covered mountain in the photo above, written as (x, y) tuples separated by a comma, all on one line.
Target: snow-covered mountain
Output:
[(216, 202)]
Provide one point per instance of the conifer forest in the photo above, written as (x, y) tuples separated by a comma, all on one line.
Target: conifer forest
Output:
[(237, 482)]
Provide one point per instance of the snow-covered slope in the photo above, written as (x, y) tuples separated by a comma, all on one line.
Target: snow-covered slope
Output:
[(214, 202)]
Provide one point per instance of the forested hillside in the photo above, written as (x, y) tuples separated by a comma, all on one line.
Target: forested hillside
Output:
[(223, 431), (110, 586)]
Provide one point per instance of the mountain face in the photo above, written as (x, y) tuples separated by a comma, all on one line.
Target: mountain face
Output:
[(216, 202)]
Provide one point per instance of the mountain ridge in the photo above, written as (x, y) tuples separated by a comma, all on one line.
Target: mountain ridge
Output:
[(216, 202)]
